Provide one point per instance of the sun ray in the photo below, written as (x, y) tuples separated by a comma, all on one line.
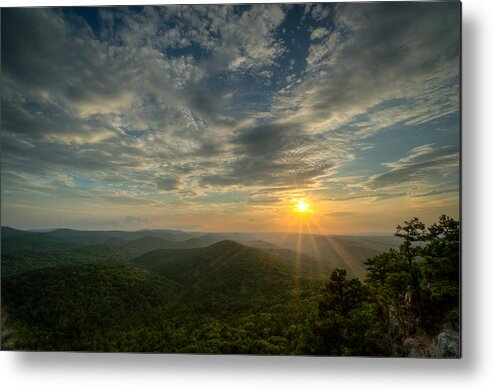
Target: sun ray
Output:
[(297, 271), (318, 257), (284, 238), (348, 259)]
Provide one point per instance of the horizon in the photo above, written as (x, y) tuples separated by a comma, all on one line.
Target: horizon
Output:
[(51, 229), (325, 118)]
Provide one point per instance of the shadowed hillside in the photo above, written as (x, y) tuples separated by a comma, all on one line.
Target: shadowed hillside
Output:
[(226, 259), (80, 306), (17, 260), (150, 243), (229, 277)]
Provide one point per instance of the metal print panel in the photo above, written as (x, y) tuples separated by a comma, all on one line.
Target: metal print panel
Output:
[(271, 179)]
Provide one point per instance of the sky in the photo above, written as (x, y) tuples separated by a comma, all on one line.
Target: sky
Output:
[(224, 118)]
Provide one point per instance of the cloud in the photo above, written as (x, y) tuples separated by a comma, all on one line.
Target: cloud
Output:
[(134, 219), (251, 37), (440, 192), (237, 37), (377, 53), (168, 183), (275, 155), (320, 11), (371, 195), (340, 213), (271, 139), (420, 164), (319, 33), (147, 105), (263, 200)]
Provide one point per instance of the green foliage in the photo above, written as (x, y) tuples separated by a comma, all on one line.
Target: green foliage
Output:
[(228, 278), (419, 284), (18, 260), (349, 320), (440, 271), (69, 304), (408, 292), (225, 298)]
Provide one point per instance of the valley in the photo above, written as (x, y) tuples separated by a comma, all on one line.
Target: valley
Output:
[(185, 292)]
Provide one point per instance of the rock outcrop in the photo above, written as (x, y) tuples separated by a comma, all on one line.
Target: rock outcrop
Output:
[(446, 344)]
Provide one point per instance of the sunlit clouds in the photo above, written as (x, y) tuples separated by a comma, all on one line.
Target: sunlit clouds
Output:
[(229, 118)]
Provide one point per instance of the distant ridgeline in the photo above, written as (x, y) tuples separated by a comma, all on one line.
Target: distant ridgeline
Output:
[(173, 291)]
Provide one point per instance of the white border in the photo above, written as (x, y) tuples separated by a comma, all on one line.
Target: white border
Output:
[(474, 371)]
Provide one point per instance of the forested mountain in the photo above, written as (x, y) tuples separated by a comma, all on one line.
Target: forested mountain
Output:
[(222, 288), (226, 259), (16, 260), (229, 297), (227, 279), (346, 252), (150, 243), (81, 306)]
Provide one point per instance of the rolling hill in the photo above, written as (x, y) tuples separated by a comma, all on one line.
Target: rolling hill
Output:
[(167, 300), (43, 241), (261, 244), (347, 252), (16, 260), (229, 278), (151, 243), (167, 291), (146, 293), (82, 306), (323, 252), (221, 259)]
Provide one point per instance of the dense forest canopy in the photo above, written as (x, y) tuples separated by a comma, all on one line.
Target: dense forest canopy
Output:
[(230, 297)]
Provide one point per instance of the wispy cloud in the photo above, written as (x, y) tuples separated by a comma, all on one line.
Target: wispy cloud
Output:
[(422, 162), (161, 105)]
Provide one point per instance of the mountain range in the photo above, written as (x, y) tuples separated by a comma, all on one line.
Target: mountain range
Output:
[(167, 290)]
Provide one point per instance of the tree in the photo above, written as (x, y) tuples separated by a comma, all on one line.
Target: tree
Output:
[(412, 232), (389, 280), (440, 270), (349, 319), (419, 284)]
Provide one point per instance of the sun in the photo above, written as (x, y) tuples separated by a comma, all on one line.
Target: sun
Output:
[(302, 206)]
